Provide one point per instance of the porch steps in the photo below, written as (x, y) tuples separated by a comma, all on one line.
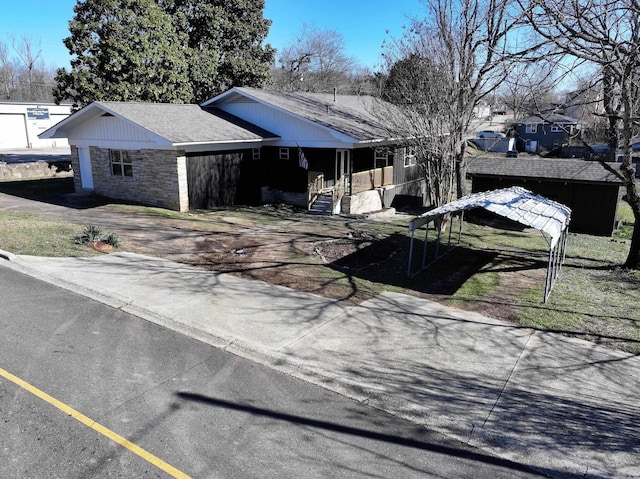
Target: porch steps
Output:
[(322, 205)]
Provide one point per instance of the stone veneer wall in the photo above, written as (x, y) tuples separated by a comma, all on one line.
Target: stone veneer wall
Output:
[(159, 177)]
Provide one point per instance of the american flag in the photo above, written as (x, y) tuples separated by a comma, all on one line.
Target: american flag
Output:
[(302, 160)]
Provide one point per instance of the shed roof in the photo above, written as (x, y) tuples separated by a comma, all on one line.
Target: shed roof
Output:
[(350, 115), (515, 203), (556, 169)]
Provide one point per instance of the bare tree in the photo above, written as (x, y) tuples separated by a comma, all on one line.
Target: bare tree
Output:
[(7, 72), (605, 33), (414, 84), (315, 62), (29, 52), (527, 87), (23, 75), (461, 45), (585, 102)]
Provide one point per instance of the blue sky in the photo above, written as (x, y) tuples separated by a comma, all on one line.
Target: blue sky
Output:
[(364, 23)]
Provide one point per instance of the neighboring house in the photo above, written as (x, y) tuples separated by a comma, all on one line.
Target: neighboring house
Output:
[(545, 131), (502, 110), (586, 187), (245, 146), (482, 110)]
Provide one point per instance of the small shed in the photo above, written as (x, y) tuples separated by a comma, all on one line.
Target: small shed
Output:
[(586, 187), (516, 203)]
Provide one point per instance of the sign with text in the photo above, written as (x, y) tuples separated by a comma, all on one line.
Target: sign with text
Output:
[(38, 113)]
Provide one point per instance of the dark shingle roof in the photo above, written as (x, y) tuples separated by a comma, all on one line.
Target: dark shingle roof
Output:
[(551, 118), (187, 123), (350, 115), (559, 169)]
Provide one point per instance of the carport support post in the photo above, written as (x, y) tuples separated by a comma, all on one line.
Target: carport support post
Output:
[(436, 226), (547, 283), (424, 248), (410, 253)]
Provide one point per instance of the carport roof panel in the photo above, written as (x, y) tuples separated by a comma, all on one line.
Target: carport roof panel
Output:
[(515, 203)]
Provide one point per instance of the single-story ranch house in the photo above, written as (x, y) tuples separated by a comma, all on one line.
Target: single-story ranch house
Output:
[(245, 146), (586, 187)]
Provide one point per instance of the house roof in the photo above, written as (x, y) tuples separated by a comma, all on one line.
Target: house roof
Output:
[(176, 123), (515, 203), (351, 115), (548, 118), (558, 169)]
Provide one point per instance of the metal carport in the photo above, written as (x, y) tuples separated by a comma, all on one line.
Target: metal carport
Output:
[(516, 203)]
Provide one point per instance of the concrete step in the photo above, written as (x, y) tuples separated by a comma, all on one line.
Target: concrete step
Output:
[(322, 205)]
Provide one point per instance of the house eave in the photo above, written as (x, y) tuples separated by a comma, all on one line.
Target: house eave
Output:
[(252, 142)]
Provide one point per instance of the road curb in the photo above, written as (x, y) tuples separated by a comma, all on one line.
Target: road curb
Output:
[(7, 256)]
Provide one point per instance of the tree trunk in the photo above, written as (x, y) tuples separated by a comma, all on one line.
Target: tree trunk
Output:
[(461, 174), (633, 259), (633, 199), (612, 109), (628, 171)]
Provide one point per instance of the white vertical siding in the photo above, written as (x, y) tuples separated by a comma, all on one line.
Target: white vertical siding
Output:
[(292, 130), (111, 132)]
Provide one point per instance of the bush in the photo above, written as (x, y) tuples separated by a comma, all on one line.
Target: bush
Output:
[(112, 239), (91, 234)]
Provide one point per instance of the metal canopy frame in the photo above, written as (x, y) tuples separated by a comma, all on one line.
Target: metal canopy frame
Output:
[(516, 203)]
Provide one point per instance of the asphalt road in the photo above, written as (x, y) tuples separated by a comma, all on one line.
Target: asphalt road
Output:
[(183, 406)]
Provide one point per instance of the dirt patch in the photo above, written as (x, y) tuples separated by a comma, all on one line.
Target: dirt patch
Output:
[(355, 253), (344, 262)]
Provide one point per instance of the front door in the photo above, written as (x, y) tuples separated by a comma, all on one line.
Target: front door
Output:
[(86, 175)]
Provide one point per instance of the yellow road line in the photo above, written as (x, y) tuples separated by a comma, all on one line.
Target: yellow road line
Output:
[(159, 463)]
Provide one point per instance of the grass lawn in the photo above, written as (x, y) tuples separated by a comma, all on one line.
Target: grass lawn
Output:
[(496, 271), (35, 235)]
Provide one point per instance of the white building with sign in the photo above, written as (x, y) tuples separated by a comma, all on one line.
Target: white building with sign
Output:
[(21, 123)]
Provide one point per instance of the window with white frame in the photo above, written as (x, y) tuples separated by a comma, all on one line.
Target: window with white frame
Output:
[(409, 156), (381, 157), (120, 163), (256, 153), (284, 153), (556, 129), (532, 128)]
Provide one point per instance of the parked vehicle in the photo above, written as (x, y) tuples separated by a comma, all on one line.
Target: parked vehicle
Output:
[(490, 134)]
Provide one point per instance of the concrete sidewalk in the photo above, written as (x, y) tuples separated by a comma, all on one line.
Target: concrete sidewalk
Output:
[(566, 407)]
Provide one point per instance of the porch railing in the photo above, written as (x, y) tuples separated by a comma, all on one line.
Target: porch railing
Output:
[(370, 179), (339, 190), (315, 186)]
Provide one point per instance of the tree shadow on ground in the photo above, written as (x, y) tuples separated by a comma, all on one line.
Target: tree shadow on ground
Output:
[(450, 449), (55, 191), (387, 261)]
